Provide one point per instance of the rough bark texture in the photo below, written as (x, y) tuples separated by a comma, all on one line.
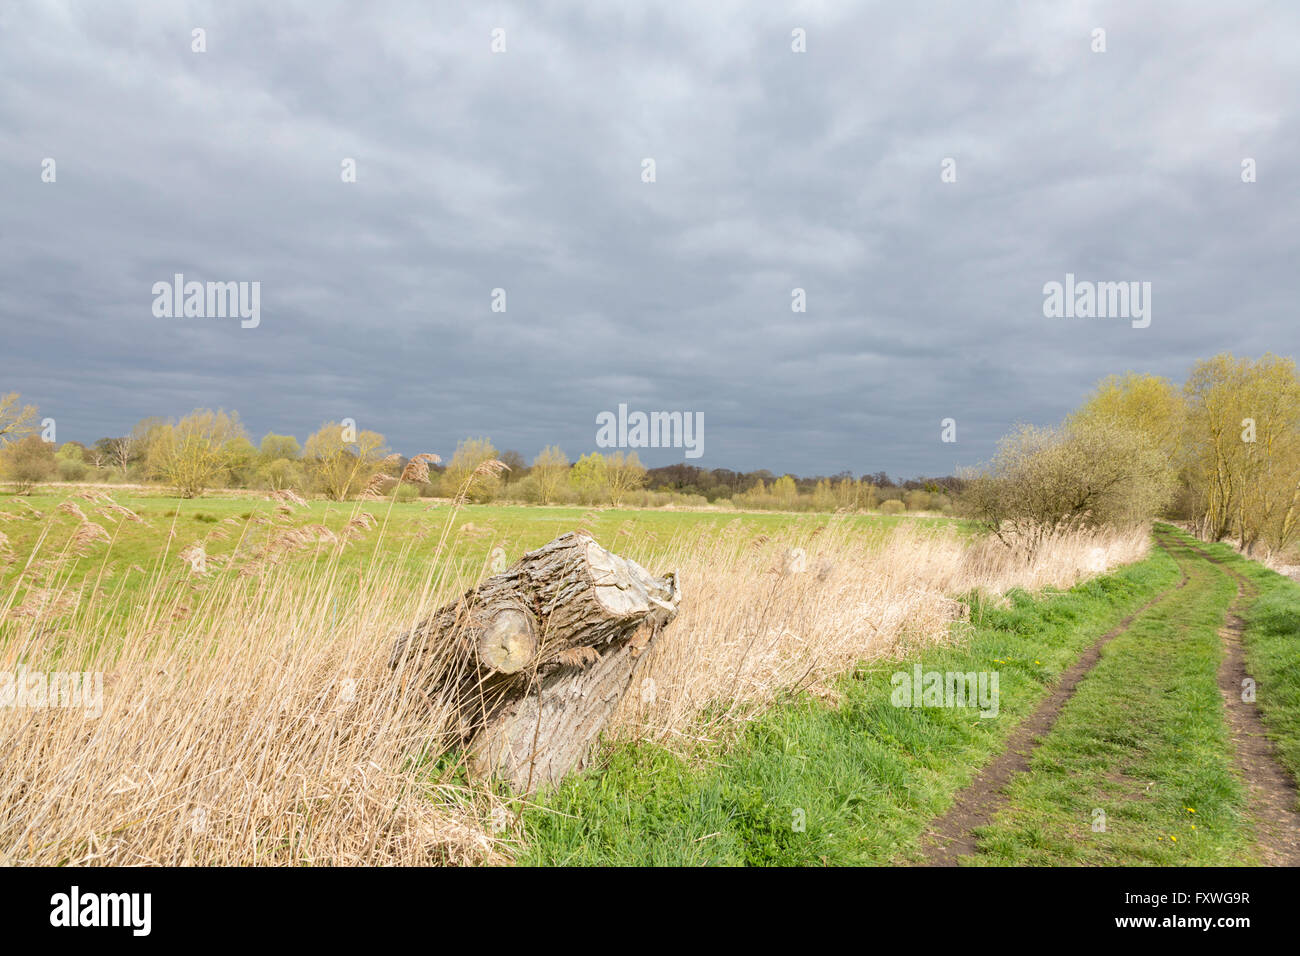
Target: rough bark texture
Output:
[(538, 656)]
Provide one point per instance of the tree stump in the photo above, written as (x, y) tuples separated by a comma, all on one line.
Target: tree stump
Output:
[(537, 658)]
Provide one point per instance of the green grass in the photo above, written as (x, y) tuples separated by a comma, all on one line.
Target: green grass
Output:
[(407, 535), (864, 778), (521, 527), (1143, 740)]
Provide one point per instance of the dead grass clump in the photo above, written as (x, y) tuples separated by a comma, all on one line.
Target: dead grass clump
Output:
[(69, 507), (111, 509), (417, 469), (286, 496), (363, 522), (42, 602), (196, 557), (87, 534), (374, 489)]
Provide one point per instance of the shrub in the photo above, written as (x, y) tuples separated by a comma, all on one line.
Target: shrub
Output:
[(1082, 475), (528, 489), (917, 500), (892, 507), (27, 462), (71, 470)]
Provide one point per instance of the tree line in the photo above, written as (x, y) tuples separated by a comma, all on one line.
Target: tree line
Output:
[(209, 450), (1220, 452)]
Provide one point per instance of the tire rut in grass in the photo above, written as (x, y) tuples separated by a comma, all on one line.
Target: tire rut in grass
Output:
[(1272, 791), (952, 836)]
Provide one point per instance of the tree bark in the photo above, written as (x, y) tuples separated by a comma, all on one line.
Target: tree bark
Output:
[(537, 658)]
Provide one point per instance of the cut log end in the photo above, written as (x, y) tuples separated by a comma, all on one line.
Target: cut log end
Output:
[(509, 643), (625, 589)]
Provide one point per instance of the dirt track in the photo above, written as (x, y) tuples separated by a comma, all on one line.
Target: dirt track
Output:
[(1272, 792), (1273, 795)]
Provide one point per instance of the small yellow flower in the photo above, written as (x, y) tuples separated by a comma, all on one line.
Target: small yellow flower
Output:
[(1174, 838), (1191, 810)]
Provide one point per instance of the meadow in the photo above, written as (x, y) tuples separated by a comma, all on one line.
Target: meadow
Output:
[(241, 531), (249, 714)]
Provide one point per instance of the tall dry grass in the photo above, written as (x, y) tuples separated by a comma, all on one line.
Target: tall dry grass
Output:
[(253, 719), (749, 630)]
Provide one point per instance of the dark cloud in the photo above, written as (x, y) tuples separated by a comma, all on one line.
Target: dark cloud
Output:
[(522, 171)]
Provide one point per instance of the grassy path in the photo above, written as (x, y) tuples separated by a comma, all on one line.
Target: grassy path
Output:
[(1157, 759), (1138, 768), (954, 835)]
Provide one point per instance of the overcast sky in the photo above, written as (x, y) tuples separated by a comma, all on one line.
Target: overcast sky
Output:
[(522, 170)]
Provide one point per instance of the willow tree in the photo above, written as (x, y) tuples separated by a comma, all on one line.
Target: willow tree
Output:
[(1243, 440), (623, 475), (1150, 405), (551, 469), (339, 460), (197, 452), (465, 475)]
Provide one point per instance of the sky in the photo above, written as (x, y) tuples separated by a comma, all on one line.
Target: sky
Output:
[(523, 169)]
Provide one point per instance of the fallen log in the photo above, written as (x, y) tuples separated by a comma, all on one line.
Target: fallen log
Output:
[(536, 659)]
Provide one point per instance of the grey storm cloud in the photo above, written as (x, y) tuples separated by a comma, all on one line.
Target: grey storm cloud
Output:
[(521, 170)]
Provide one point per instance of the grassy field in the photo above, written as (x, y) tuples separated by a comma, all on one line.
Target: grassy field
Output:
[(244, 645), (39, 547), (250, 715)]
